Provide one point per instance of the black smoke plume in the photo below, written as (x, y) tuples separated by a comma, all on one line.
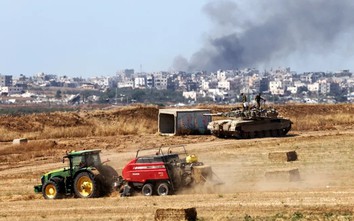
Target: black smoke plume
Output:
[(266, 32)]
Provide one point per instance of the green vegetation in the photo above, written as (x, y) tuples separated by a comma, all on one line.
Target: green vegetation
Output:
[(147, 96), (297, 216), (248, 218)]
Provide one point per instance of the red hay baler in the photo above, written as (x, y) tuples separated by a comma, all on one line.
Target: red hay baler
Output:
[(164, 173)]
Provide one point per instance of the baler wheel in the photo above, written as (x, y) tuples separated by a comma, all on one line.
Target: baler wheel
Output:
[(147, 189), (163, 189)]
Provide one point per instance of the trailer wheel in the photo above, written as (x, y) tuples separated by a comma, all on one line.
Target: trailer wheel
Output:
[(163, 189), (85, 186), (52, 190), (147, 189)]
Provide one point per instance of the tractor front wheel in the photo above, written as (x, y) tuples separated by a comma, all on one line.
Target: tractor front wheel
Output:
[(52, 190), (85, 186), (163, 189), (147, 189)]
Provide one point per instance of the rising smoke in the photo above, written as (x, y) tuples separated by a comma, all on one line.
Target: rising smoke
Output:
[(267, 32)]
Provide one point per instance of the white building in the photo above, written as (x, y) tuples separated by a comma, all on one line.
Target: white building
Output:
[(190, 95), (315, 87), (139, 82), (299, 84), (11, 90), (225, 85), (276, 87), (278, 91), (324, 86), (126, 84), (292, 89), (205, 85), (254, 81), (161, 80), (221, 75), (100, 81)]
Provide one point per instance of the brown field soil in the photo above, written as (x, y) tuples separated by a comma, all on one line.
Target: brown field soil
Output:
[(324, 190)]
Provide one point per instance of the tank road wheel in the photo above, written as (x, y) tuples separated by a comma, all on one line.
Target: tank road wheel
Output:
[(147, 189), (280, 132), (163, 189), (287, 130), (252, 134), (52, 190), (267, 133), (245, 135), (220, 135), (274, 133), (85, 186), (242, 135), (260, 134)]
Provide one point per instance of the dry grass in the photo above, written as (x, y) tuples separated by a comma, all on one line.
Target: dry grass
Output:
[(325, 159), (65, 132), (23, 152), (8, 135), (120, 121), (140, 120), (322, 121), (125, 127)]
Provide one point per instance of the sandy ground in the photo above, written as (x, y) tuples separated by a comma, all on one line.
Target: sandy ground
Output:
[(324, 190)]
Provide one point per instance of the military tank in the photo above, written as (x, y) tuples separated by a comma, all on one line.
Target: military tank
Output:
[(249, 123)]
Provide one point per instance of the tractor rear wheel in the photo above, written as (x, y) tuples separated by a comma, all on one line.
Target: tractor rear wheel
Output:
[(52, 190), (106, 179), (163, 189), (147, 189), (85, 186)]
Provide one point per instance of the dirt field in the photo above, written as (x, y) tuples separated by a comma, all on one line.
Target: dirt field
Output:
[(324, 190)]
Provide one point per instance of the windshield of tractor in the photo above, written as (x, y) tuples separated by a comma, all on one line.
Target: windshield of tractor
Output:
[(87, 160)]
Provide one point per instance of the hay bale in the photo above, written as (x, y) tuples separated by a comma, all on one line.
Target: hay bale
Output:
[(288, 175), (189, 214), (20, 141), (282, 156)]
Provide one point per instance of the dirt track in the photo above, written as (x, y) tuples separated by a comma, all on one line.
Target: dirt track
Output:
[(324, 192)]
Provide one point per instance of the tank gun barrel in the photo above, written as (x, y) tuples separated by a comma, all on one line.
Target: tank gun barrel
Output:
[(217, 114)]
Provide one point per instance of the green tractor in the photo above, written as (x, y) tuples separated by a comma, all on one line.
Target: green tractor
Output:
[(86, 177)]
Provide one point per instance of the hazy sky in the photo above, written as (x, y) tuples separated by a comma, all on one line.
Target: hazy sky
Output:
[(88, 38)]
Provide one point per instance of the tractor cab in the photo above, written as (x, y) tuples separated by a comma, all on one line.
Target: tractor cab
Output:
[(80, 159)]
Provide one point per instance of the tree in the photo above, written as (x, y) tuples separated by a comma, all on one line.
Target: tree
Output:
[(138, 95), (58, 94), (301, 89)]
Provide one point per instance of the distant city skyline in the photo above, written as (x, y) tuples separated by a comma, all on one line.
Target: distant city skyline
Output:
[(90, 38)]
